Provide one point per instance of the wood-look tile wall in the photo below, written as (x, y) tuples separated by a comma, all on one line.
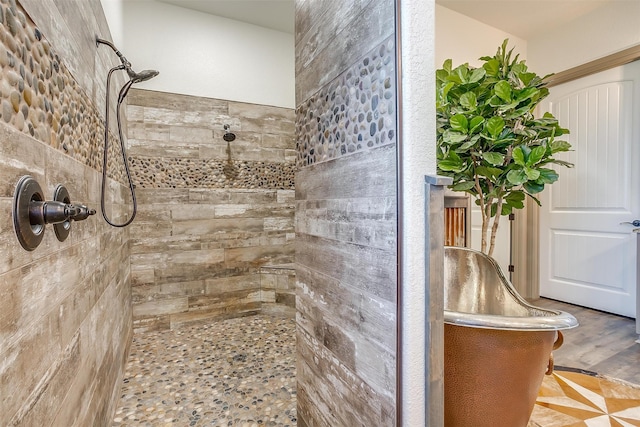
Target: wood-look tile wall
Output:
[(211, 213), (65, 311), (346, 222)]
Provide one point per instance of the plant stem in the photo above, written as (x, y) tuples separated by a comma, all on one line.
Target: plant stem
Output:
[(494, 228)]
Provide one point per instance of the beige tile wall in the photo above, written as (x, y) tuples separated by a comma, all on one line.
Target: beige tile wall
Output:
[(211, 213), (65, 312)]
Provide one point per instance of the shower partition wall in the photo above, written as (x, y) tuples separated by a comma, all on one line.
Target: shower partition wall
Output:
[(346, 221), (211, 212), (65, 322)]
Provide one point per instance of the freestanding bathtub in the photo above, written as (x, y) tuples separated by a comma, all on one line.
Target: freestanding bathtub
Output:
[(497, 346)]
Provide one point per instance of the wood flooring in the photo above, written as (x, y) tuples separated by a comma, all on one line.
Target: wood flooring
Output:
[(603, 343)]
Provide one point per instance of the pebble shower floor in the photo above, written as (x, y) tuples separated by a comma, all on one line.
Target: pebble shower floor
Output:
[(236, 372)]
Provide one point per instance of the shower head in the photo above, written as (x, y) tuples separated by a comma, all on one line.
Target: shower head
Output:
[(135, 77), (142, 75), (228, 136)]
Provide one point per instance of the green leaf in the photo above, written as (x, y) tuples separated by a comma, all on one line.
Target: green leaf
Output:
[(463, 186), (453, 137), (547, 176), (563, 163), (468, 144), (487, 172), (518, 156), (462, 72), (495, 159), (559, 146), (506, 209), (492, 67), (503, 90), (449, 165), (477, 75), (469, 101), (447, 65), (459, 123), (532, 174), (516, 195), (533, 188), (526, 78), (515, 199), (454, 78), (446, 88), (475, 123), (441, 75), (517, 177), (537, 154), (526, 93), (494, 126)]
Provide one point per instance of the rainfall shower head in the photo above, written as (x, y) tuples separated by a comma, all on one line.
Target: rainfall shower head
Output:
[(228, 136)]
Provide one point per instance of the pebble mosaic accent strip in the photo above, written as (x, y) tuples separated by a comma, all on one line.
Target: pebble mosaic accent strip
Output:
[(40, 97), (161, 172), (355, 112), (237, 372)]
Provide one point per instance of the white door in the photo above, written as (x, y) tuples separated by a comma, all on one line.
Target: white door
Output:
[(587, 254)]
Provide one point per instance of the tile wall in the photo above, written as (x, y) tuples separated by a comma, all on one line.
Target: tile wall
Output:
[(346, 222), (211, 212), (65, 312)]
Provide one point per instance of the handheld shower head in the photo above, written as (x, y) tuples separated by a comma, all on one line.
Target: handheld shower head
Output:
[(135, 78), (142, 75)]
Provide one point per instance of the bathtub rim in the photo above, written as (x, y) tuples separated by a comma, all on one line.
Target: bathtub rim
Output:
[(551, 320), (558, 320)]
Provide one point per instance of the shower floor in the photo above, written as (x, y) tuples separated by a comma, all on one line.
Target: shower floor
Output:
[(236, 372)]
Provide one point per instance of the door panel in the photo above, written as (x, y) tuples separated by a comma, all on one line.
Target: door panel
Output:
[(587, 256)]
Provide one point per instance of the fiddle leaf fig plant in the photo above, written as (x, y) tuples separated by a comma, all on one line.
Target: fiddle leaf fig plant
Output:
[(488, 138)]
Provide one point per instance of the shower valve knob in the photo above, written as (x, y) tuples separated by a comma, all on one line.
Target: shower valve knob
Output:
[(83, 213), (51, 212)]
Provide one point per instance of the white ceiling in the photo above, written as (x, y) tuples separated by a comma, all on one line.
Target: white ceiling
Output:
[(274, 14), (524, 18)]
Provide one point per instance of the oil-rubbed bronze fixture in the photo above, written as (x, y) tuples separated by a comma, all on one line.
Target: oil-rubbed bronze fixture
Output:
[(228, 135), (31, 212)]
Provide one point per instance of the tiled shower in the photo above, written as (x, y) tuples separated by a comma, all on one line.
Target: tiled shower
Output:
[(296, 215)]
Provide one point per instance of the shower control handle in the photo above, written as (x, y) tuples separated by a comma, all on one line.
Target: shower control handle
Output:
[(83, 213), (51, 212)]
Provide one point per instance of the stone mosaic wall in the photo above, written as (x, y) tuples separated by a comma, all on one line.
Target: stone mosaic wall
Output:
[(211, 213), (346, 222), (353, 113), (65, 322), (41, 98)]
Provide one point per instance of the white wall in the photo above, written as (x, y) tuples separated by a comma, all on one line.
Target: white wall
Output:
[(418, 159), (464, 39), (206, 55), (606, 30)]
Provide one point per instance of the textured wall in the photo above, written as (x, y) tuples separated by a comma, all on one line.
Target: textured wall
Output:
[(211, 213), (65, 313), (346, 213)]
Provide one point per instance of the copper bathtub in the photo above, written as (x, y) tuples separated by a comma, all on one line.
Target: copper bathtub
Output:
[(497, 345)]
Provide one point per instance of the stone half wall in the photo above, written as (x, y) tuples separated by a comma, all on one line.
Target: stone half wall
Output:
[(65, 310), (346, 218), (211, 213)]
